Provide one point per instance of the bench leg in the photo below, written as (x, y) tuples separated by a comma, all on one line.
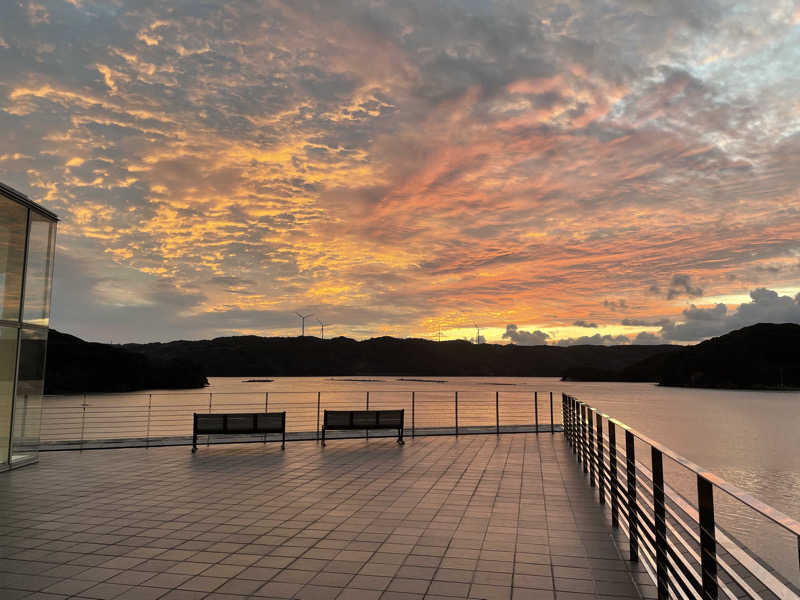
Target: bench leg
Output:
[(283, 442), (323, 436), (400, 439), (194, 443)]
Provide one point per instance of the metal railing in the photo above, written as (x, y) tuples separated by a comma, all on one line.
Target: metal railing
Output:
[(125, 420), (680, 543)]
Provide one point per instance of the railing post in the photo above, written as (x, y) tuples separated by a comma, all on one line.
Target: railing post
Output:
[(497, 411), (413, 411), (149, 408), (590, 422), (367, 430), (567, 407), (633, 517), (266, 410), (318, 406), (552, 424), (578, 433), (612, 477), (456, 396), (708, 537), (536, 410), (585, 433), (600, 462), (83, 419), (572, 422), (576, 429), (660, 521)]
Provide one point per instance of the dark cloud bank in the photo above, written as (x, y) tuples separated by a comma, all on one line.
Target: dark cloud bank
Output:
[(766, 306)]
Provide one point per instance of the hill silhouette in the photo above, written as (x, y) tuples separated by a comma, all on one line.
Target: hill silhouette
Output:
[(308, 356), (762, 356), (74, 366)]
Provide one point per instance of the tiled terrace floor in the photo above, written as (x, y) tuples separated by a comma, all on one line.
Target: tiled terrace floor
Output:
[(479, 516)]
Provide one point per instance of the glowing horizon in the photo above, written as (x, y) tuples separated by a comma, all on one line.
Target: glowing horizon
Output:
[(583, 172)]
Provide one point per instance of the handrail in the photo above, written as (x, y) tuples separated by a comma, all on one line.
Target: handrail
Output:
[(136, 419), (762, 508), (696, 572), (205, 392)]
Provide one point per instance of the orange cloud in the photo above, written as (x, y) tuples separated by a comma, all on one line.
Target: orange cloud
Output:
[(420, 163)]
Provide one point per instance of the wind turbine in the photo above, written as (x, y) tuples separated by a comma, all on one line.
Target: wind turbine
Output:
[(303, 323), (322, 329)]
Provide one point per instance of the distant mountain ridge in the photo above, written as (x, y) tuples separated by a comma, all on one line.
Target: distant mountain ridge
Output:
[(75, 366), (764, 356), (310, 356)]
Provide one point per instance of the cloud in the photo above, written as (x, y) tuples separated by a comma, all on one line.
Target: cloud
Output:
[(620, 304), (681, 286), (645, 337), (397, 164), (525, 338), (766, 306), (644, 322), (582, 323), (705, 314), (595, 340)]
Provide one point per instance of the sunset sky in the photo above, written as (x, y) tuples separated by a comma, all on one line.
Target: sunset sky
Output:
[(554, 172)]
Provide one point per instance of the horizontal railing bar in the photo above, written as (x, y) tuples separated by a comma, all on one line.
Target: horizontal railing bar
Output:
[(765, 510), (723, 540), (261, 393), (679, 519), (744, 559), (303, 435)]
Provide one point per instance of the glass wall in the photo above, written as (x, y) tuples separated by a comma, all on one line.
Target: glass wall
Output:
[(27, 245), (28, 399), (13, 219), (8, 358), (39, 270)]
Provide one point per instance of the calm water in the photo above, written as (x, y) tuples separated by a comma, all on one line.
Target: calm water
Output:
[(748, 438)]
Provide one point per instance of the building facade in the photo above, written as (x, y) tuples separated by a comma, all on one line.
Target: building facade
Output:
[(27, 248)]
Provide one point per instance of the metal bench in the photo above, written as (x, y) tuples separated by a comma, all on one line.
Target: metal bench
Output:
[(239, 424), (364, 419)]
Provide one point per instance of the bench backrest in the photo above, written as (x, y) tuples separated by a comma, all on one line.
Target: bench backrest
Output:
[(240, 423), (365, 419)]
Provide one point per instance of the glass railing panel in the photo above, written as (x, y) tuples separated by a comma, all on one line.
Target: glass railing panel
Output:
[(515, 409), (762, 543), (476, 411), (435, 411)]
